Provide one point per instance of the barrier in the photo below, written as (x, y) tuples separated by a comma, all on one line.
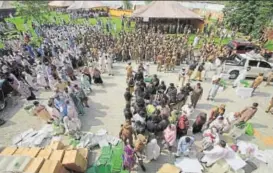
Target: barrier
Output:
[(119, 13)]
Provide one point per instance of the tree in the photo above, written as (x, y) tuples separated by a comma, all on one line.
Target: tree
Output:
[(249, 16), (127, 5), (32, 10)]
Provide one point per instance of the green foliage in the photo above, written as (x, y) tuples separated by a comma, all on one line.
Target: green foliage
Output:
[(249, 16), (148, 2), (32, 10), (127, 5)]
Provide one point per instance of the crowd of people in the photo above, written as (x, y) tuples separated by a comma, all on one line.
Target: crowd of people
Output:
[(72, 58), (89, 13), (159, 114)]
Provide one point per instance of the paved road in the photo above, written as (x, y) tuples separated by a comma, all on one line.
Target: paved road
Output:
[(107, 103)]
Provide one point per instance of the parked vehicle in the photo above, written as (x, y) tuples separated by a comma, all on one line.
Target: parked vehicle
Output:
[(255, 62), (240, 46), (243, 46)]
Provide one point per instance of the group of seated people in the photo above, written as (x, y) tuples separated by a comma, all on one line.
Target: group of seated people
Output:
[(151, 111)]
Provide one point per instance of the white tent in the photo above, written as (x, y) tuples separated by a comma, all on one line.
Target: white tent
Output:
[(86, 5), (6, 5), (60, 3)]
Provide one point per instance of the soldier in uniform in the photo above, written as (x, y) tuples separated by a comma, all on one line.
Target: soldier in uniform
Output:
[(123, 54), (173, 61), (167, 62), (159, 61)]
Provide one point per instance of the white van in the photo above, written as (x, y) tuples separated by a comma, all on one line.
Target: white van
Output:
[(255, 62)]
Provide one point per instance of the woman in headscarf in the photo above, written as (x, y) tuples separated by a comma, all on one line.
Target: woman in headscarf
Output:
[(218, 124), (152, 150), (97, 76), (129, 159), (54, 112), (199, 122), (52, 82), (72, 114), (41, 111), (217, 111), (70, 125), (182, 126), (77, 102), (41, 76), (210, 138), (81, 95), (85, 83), (139, 122), (170, 135), (29, 79), (187, 110), (20, 87)]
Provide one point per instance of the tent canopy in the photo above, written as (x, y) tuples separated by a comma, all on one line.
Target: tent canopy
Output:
[(6, 5), (165, 9), (86, 5), (60, 3)]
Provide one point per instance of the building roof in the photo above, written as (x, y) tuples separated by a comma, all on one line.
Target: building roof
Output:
[(6, 5), (86, 5), (60, 3), (206, 6), (165, 9)]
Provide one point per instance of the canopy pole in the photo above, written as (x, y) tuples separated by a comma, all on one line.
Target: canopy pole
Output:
[(178, 20)]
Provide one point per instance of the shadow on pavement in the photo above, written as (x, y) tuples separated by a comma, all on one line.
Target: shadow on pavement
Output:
[(14, 104), (153, 166), (204, 106), (261, 94), (90, 118), (223, 100), (259, 126), (7, 124)]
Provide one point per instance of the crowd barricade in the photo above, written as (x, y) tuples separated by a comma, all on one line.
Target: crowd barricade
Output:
[(119, 13)]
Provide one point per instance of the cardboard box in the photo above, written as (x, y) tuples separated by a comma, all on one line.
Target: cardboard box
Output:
[(84, 152), (56, 145), (34, 166), (45, 153), (8, 151), (52, 166), (57, 155), (33, 152), (21, 151), (73, 160)]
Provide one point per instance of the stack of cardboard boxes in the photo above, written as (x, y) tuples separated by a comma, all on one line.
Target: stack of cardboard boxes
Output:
[(55, 158)]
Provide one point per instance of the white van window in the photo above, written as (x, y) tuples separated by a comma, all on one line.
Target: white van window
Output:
[(242, 63), (264, 65), (253, 63)]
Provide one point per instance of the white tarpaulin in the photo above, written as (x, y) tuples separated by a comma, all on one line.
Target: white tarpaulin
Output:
[(86, 5), (60, 3), (6, 5), (189, 165)]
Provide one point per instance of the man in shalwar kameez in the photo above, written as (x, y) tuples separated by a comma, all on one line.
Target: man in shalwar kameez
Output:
[(109, 63), (102, 63), (218, 152)]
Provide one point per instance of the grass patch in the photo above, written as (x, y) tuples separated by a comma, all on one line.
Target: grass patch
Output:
[(269, 45)]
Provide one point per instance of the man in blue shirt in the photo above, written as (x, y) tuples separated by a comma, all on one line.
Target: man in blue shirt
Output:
[(184, 145)]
